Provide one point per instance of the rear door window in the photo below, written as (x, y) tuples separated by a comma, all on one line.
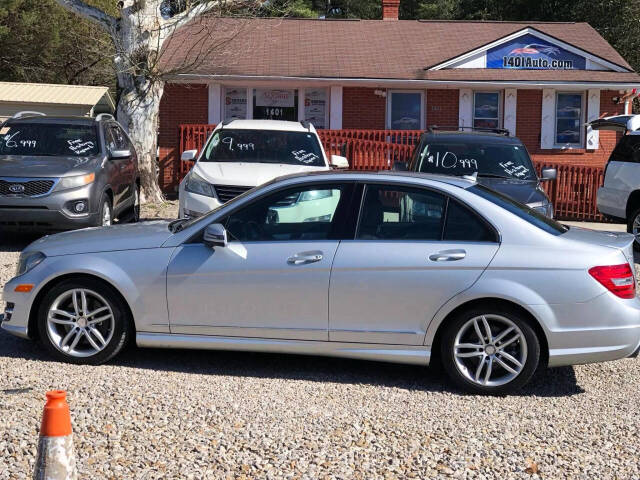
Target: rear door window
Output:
[(463, 225)]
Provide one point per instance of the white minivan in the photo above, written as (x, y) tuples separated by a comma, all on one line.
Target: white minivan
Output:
[(619, 197), (242, 154)]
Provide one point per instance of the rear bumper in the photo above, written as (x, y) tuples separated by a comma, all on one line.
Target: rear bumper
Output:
[(612, 202), (605, 328)]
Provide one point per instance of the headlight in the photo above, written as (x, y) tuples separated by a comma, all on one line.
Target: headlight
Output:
[(544, 209), (315, 195), (75, 181), (28, 261), (196, 184)]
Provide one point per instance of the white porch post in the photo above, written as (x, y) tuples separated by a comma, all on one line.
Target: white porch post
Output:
[(593, 112), (215, 103), (301, 100), (249, 103), (335, 110), (510, 109), (547, 134), (465, 108)]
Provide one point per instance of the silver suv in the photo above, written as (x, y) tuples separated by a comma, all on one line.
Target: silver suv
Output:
[(619, 197), (62, 173)]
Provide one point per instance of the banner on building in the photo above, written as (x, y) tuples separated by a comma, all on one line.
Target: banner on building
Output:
[(235, 103), (315, 106), (529, 52), (275, 98)]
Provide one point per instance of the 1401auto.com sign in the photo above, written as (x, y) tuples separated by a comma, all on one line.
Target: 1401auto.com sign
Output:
[(532, 53)]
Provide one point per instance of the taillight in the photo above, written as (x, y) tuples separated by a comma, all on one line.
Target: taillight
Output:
[(618, 279)]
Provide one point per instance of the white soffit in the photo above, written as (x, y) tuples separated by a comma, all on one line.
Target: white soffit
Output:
[(477, 58)]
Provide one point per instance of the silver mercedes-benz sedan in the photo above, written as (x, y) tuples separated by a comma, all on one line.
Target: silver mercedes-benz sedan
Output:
[(394, 267)]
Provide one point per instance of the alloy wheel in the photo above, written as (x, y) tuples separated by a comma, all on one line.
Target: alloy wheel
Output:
[(80, 323), (635, 228), (106, 214), (490, 350)]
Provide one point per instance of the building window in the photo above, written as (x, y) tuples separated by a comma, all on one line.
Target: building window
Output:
[(235, 103), (569, 109), (405, 110), (316, 107), (486, 109), (275, 104)]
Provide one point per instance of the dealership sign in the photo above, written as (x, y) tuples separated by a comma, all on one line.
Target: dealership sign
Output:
[(529, 52)]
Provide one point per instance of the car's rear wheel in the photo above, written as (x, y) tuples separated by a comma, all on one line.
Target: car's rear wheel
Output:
[(83, 321), (633, 226), (105, 212), (490, 350)]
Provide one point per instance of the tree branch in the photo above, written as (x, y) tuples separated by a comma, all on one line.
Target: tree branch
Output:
[(89, 12), (198, 9)]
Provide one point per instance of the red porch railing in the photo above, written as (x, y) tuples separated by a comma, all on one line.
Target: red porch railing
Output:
[(573, 194)]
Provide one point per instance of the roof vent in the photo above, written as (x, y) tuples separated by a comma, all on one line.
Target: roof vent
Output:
[(390, 9)]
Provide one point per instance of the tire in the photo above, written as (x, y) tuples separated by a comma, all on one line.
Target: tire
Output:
[(105, 209), (634, 218), (464, 368), (74, 340), (135, 210)]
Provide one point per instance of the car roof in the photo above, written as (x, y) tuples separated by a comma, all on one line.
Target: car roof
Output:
[(66, 120), (470, 137), (461, 182), (279, 125)]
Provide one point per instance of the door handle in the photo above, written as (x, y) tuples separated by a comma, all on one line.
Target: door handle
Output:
[(448, 255), (304, 258)]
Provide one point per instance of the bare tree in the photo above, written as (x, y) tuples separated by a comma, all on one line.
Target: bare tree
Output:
[(139, 34)]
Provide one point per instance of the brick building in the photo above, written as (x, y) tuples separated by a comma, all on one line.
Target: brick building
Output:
[(541, 81)]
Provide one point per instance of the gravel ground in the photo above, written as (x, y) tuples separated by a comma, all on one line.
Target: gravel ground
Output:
[(190, 414)]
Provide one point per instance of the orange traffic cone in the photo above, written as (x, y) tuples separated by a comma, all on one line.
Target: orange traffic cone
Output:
[(55, 460)]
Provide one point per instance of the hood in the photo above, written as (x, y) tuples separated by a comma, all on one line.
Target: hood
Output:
[(104, 239), (247, 174), (43, 166), (523, 191)]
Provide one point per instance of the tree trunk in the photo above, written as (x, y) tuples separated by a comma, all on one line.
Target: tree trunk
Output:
[(138, 112)]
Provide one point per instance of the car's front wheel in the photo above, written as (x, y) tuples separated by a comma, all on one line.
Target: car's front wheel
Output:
[(83, 321), (490, 350)]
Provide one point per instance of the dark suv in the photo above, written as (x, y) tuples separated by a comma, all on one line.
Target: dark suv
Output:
[(61, 173), (500, 162)]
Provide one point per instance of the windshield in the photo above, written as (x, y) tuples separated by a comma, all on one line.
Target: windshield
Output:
[(48, 139), (526, 213), (490, 160), (264, 146)]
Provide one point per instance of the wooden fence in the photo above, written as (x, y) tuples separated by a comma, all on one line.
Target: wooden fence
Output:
[(573, 194)]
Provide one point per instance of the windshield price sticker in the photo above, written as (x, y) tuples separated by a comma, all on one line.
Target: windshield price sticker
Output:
[(303, 157), (78, 146), (515, 170), (451, 160)]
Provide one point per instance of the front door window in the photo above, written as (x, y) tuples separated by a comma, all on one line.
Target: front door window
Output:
[(275, 104)]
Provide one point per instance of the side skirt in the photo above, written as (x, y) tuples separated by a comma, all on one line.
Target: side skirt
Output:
[(412, 354)]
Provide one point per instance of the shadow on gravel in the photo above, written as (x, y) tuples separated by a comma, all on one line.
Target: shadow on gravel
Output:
[(556, 382)]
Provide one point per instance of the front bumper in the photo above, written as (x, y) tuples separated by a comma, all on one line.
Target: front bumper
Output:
[(50, 212)]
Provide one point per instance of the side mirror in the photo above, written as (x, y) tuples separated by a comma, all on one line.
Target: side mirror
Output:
[(549, 174), (339, 162), (120, 154), (215, 235), (400, 166), (189, 155)]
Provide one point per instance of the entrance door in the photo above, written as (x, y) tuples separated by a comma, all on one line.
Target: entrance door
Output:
[(414, 250), (272, 280), (274, 104)]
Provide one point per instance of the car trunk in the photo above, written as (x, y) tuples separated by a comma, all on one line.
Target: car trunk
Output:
[(617, 123), (618, 240)]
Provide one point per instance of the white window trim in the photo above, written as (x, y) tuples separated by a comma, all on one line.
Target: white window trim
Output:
[(569, 146), (422, 106), (473, 108)]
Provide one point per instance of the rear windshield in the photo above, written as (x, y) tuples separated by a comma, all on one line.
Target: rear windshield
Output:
[(48, 139), (264, 146), (488, 160), (530, 215)]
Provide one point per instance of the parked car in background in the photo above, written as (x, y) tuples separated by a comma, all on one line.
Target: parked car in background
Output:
[(242, 154), (61, 173), (393, 267), (619, 197), (500, 162)]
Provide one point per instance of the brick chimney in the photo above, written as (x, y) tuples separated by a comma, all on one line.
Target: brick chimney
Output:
[(390, 9)]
